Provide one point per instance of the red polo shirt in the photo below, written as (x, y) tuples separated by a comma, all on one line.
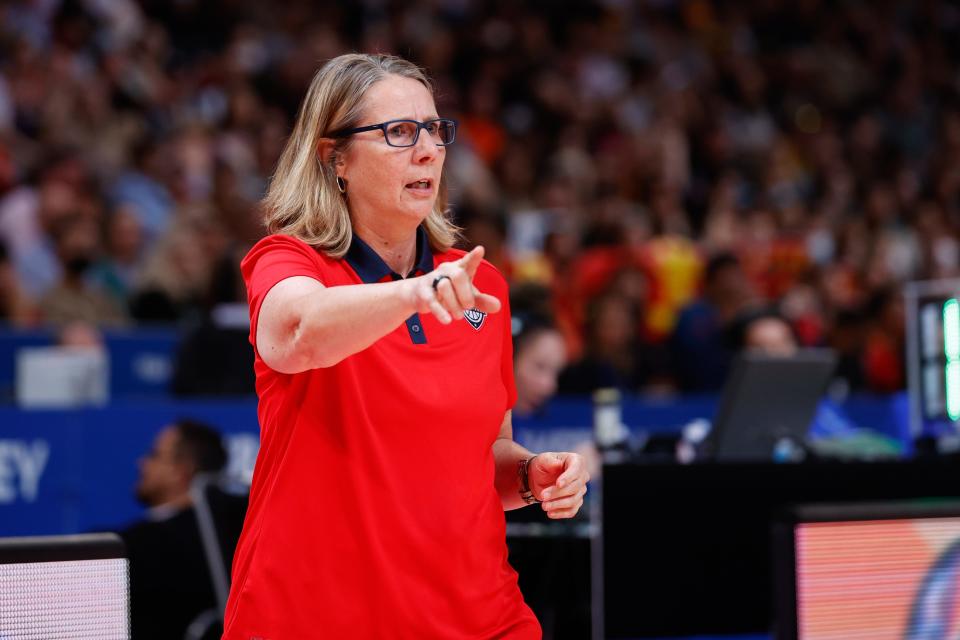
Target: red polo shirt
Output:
[(373, 512)]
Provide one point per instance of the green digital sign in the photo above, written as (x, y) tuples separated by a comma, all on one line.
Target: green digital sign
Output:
[(951, 349)]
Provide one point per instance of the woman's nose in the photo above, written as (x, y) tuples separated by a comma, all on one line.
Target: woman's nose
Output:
[(425, 149)]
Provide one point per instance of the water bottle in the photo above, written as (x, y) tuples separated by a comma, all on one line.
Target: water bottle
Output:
[(610, 435)]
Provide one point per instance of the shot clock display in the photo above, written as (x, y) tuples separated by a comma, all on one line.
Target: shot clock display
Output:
[(933, 356), (951, 351)]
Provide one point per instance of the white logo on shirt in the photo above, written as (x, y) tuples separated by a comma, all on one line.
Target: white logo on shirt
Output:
[(475, 317)]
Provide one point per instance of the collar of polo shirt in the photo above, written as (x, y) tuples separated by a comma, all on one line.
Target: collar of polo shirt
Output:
[(371, 267)]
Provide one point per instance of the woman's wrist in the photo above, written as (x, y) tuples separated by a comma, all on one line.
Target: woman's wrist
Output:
[(409, 294), (523, 473)]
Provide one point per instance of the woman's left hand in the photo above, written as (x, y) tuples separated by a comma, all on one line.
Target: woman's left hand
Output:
[(559, 480)]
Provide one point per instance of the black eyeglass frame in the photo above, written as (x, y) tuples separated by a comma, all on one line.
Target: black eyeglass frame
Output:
[(384, 125)]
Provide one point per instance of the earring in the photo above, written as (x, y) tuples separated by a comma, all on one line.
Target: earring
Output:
[(341, 185)]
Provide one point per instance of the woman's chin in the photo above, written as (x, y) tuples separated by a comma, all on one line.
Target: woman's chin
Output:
[(405, 215), (418, 212)]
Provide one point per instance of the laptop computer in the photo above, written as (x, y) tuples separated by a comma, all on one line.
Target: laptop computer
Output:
[(767, 405)]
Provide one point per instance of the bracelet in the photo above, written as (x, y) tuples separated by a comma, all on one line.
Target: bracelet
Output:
[(525, 492)]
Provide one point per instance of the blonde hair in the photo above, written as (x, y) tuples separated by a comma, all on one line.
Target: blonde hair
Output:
[(303, 200)]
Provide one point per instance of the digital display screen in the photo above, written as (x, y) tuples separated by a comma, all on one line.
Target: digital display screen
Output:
[(879, 579), (939, 353), (69, 600)]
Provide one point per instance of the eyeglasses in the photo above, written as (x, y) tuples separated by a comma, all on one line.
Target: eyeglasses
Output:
[(405, 133)]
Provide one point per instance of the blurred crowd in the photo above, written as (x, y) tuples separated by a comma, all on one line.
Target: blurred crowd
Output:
[(649, 175)]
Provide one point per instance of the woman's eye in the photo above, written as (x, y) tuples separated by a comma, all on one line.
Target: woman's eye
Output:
[(399, 130)]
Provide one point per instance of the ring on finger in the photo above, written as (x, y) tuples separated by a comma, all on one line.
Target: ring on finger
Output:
[(437, 280)]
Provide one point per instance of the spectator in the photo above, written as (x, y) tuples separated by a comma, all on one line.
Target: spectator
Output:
[(610, 358), (176, 274), (539, 355), (74, 298), (794, 136), (118, 269), (764, 330), (883, 349), (141, 189), (170, 582), (81, 335), (30, 216), (700, 352), (13, 306)]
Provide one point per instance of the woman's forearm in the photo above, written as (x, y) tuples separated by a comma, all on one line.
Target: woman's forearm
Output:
[(332, 323), (303, 325)]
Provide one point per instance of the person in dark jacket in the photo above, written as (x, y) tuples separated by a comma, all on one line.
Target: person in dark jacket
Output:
[(170, 581)]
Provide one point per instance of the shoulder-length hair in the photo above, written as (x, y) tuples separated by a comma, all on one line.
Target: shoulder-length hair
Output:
[(303, 200)]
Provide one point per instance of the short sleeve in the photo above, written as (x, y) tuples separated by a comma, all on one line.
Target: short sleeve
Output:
[(273, 259)]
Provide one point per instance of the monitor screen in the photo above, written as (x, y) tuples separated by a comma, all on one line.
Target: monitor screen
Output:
[(767, 405), (64, 588), (894, 577)]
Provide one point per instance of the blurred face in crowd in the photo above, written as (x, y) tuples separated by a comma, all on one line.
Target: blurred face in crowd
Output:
[(77, 244), (633, 285), (538, 364), (614, 327), (771, 336), (730, 286), (164, 475), (57, 202), (124, 235), (81, 335), (393, 185)]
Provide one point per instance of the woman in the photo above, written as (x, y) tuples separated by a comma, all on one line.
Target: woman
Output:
[(539, 356), (385, 380)]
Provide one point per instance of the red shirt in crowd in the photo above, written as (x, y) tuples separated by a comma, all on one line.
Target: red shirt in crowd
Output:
[(373, 511)]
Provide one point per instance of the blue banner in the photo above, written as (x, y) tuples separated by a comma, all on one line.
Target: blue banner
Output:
[(75, 471)]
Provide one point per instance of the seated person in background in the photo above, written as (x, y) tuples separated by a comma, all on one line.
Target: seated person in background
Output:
[(700, 355), (74, 298), (763, 330), (79, 334), (539, 353), (13, 304), (170, 582), (614, 356)]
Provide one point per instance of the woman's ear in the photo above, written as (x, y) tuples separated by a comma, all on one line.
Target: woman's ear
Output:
[(325, 149)]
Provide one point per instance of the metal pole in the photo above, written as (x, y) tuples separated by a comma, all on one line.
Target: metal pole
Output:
[(596, 558)]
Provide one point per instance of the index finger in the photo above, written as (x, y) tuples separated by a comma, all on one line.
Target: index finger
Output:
[(472, 260)]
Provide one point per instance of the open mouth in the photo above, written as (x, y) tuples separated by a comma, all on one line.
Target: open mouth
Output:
[(421, 185)]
